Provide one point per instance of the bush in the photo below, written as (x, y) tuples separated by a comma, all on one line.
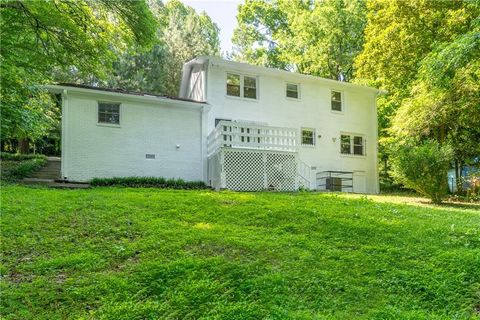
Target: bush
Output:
[(423, 168), (18, 166), (148, 182), (20, 157)]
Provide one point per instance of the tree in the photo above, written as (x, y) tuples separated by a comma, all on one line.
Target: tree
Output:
[(444, 103), (320, 38), (40, 36), (182, 35), (399, 36)]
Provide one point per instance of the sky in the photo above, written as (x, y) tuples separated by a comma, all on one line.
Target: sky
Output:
[(223, 13)]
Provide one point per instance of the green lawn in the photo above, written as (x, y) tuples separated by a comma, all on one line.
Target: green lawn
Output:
[(119, 253)]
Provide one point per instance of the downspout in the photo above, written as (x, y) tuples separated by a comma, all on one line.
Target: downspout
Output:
[(63, 143), (377, 180)]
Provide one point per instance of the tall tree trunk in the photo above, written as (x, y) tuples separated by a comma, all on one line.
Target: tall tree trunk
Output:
[(23, 145)]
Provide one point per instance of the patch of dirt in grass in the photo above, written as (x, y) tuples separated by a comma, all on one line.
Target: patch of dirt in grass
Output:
[(18, 277)]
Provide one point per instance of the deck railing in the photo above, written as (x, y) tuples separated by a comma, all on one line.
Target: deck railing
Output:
[(251, 136)]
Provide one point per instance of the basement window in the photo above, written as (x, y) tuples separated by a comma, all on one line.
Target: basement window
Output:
[(109, 112), (308, 136)]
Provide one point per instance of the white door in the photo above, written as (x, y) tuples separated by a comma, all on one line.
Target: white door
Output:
[(359, 183)]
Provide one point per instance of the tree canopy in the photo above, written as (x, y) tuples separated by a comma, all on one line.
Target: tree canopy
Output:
[(38, 37), (182, 35), (319, 38)]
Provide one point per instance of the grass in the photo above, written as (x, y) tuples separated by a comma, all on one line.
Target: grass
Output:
[(121, 253)]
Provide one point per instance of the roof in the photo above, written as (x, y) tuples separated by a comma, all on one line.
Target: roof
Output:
[(278, 72), (122, 92)]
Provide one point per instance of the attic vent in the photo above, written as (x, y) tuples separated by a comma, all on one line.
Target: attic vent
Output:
[(150, 156)]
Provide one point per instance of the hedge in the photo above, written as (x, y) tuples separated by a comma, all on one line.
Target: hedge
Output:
[(147, 182)]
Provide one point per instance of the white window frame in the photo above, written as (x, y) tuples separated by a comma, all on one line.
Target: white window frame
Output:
[(352, 137), (314, 142), (298, 91), (107, 124), (242, 86), (342, 101)]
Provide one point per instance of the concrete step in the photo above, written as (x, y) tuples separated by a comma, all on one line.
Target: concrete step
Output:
[(37, 181)]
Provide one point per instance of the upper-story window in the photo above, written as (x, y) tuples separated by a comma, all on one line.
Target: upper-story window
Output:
[(233, 84), (250, 87), (109, 112), (337, 101), (292, 91), (352, 144), (241, 86)]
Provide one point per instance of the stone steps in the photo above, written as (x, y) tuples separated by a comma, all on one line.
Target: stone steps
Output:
[(51, 171)]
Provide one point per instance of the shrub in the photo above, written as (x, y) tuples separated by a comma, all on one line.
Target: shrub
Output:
[(423, 168), (148, 182), (20, 157), (18, 166)]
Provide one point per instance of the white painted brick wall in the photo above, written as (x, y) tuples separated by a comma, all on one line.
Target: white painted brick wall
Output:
[(96, 150)]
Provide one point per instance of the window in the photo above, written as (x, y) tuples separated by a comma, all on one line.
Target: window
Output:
[(345, 144), (241, 86), (337, 101), (108, 113), (351, 144), (250, 87), (233, 85), (292, 90), (357, 145), (308, 136)]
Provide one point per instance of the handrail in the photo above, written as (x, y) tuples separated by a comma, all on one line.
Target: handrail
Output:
[(253, 136)]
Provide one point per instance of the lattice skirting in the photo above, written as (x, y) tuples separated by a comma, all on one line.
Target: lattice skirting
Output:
[(253, 170)]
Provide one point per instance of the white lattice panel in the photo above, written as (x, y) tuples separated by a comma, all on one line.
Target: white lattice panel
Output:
[(253, 170)]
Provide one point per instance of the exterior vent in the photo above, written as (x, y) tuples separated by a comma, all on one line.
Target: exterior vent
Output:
[(150, 156)]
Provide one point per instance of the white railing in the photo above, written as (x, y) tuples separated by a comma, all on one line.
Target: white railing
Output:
[(304, 174), (251, 136)]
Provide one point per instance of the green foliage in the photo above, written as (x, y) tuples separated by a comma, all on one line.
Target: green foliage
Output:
[(116, 253), (39, 37), (425, 54), (423, 168), (17, 166), (320, 39), (182, 35), (139, 182)]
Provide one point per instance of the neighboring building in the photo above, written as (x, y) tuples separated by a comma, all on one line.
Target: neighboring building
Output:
[(235, 126)]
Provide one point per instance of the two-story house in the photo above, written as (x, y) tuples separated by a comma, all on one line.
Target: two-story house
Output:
[(234, 125)]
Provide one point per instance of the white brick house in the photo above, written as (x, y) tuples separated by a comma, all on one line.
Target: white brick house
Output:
[(234, 126)]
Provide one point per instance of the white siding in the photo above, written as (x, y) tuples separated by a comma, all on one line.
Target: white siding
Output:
[(96, 150)]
